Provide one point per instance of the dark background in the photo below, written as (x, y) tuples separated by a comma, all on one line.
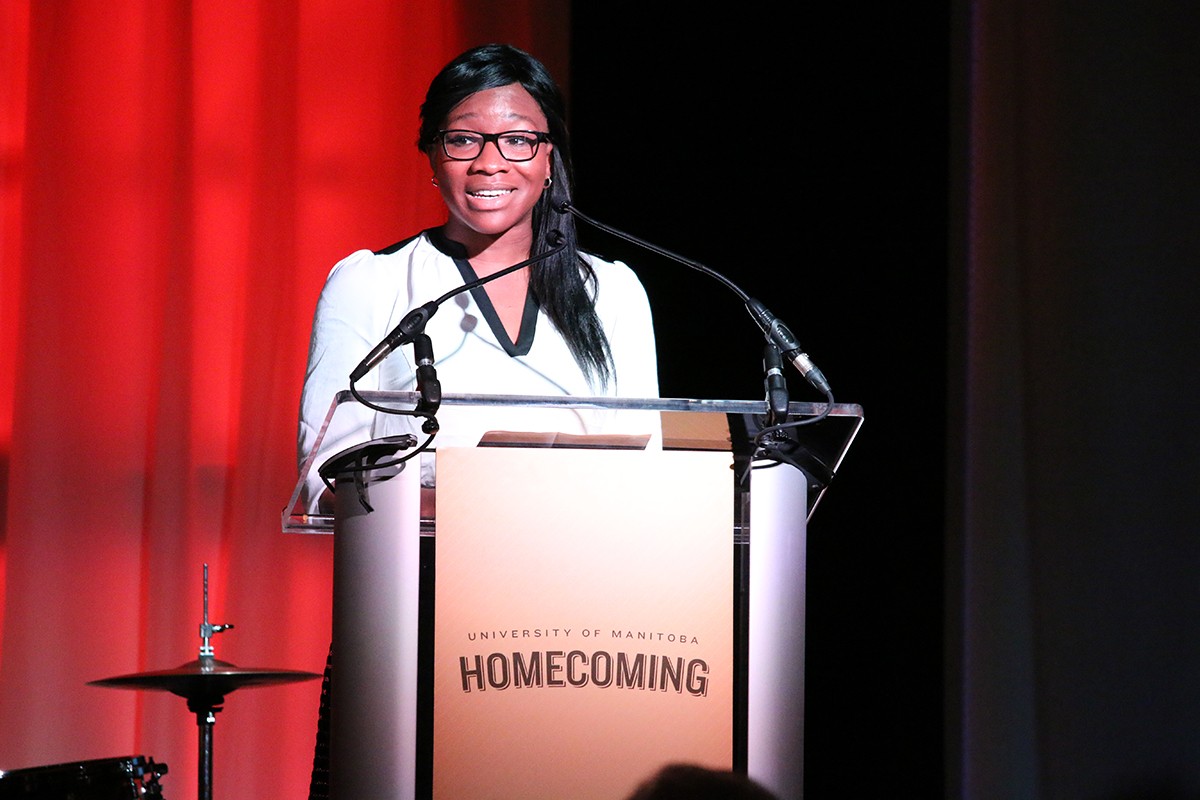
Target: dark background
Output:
[(806, 160)]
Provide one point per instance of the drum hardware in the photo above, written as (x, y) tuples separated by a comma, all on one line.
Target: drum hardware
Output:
[(128, 778), (204, 683)]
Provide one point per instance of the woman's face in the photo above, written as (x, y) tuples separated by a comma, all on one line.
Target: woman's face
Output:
[(489, 195)]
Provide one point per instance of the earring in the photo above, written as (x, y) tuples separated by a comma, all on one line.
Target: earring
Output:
[(548, 182), (433, 180)]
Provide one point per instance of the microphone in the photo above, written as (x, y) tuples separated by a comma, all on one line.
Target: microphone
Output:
[(775, 384), (776, 332), (780, 336), (414, 321), (412, 324)]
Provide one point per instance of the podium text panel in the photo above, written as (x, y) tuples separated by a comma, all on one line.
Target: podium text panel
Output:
[(583, 619)]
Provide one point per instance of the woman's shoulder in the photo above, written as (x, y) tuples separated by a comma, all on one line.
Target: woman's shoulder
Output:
[(613, 273), (604, 265), (373, 265), (365, 259)]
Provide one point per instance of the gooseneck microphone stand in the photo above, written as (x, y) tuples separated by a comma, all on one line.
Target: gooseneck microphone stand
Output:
[(781, 342), (772, 327)]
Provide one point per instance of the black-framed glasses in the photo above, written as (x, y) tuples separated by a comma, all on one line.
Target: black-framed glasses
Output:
[(459, 145)]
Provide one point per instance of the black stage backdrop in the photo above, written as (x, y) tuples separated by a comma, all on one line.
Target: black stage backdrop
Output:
[(806, 160)]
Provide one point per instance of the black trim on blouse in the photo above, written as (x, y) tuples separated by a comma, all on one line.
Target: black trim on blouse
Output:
[(458, 253)]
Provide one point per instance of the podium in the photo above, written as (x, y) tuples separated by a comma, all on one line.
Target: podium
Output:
[(556, 615)]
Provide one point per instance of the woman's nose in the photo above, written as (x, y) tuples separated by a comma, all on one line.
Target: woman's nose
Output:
[(489, 157)]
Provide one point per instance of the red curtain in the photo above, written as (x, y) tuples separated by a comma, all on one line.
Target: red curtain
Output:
[(178, 179)]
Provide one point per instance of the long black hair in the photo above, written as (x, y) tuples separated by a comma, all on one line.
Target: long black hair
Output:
[(558, 283)]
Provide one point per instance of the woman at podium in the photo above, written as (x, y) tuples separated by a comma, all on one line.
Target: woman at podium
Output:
[(493, 131), (492, 128)]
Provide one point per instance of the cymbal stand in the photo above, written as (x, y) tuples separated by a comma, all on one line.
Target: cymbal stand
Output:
[(206, 705), (204, 683)]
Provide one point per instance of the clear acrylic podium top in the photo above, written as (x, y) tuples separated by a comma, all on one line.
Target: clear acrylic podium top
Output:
[(817, 448)]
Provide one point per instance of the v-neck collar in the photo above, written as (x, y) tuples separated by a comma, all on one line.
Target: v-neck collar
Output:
[(529, 314)]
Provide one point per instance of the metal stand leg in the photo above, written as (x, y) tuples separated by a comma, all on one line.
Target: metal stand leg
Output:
[(205, 719)]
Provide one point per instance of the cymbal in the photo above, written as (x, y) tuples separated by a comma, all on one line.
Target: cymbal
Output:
[(204, 678)]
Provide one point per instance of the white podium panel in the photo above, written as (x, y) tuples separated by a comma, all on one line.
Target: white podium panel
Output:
[(376, 583)]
